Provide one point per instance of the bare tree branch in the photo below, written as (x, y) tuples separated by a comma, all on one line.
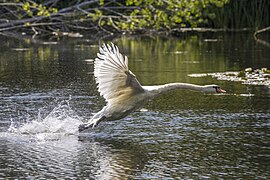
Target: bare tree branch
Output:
[(261, 30), (263, 42)]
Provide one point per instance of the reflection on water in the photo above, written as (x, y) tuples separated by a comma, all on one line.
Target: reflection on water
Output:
[(66, 158), (47, 90)]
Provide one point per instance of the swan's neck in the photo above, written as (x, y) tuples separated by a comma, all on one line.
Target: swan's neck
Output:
[(159, 89)]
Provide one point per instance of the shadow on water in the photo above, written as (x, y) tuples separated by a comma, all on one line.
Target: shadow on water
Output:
[(47, 90)]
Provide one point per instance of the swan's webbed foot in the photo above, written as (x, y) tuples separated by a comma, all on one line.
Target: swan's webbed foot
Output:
[(83, 127), (92, 123)]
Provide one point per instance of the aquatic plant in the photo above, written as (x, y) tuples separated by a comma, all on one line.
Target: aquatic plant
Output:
[(241, 74), (248, 76)]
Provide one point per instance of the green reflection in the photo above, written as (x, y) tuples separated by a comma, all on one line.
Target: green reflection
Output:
[(161, 60)]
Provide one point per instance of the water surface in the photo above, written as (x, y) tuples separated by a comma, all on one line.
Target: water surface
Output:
[(48, 89)]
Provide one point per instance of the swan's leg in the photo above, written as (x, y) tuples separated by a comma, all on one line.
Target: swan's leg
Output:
[(92, 123)]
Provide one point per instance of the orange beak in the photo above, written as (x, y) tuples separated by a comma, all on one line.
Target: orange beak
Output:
[(219, 90)]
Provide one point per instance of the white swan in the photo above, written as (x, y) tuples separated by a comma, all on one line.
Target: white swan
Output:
[(122, 91)]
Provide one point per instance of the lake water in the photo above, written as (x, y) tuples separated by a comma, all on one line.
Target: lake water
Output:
[(48, 89)]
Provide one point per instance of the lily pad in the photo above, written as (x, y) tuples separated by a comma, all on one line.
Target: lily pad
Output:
[(248, 76)]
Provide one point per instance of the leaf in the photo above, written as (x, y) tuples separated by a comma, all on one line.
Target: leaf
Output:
[(27, 24)]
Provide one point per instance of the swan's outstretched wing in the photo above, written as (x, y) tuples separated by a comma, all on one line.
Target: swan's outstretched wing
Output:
[(114, 80)]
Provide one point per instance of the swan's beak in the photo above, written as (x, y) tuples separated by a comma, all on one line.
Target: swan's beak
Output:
[(219, 90)]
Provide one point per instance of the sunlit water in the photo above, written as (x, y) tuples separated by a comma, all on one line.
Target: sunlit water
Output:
[(48, 90)]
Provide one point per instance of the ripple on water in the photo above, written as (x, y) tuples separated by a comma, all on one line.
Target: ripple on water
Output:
[(49, 147), (198, 144), (148, 145)]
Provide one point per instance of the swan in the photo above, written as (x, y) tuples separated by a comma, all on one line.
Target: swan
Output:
[(121, 89)]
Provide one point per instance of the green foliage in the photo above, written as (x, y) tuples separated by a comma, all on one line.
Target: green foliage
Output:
[(96, 15), (136, 15), (241, 74), (166, 15), (34, 9)]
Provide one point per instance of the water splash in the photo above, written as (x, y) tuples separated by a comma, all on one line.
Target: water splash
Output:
[(61, 121)]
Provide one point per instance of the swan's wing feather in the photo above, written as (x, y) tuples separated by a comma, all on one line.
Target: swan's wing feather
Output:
[(113, 76)]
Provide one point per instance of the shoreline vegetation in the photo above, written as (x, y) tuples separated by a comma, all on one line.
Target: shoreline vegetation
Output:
[(109, 17)]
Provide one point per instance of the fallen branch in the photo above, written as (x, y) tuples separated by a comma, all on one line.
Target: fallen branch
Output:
[(260, 31), (258, 40), (110, 16), (208, 30)]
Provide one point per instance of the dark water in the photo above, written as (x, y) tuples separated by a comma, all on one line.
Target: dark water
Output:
[(48, 89)]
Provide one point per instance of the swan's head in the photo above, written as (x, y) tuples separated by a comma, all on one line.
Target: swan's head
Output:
[(213, 89)]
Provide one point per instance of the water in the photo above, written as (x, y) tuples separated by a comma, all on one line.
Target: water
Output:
[(48, 89)]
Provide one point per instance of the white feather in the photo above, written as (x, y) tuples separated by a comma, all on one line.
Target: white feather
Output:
[(111, 73)]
